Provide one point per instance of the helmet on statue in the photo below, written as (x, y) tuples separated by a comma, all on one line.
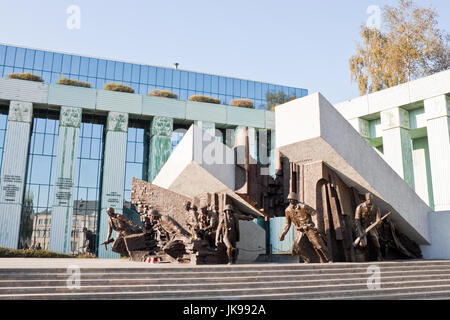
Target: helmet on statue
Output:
[(292, 196)]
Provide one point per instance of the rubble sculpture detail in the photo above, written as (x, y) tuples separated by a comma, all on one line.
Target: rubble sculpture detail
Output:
[(175, 228)]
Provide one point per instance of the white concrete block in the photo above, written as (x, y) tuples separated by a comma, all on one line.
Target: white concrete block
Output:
[(252, 242), (440, 237), (389, 98), (201, 164), (354, 108), (431, 86), (310, 129)]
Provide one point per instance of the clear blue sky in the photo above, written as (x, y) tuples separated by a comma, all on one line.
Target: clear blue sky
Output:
[(290, 42)]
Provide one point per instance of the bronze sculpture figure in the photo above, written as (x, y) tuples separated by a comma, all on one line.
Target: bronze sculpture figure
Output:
[(123, 226), (228, 233), (300, 215), (192, 219), (207, 223), (367, 214)]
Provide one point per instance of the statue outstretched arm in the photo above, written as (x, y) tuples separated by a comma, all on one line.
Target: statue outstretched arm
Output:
[(109, 230), (218, 232), (286, 227), (359, 229)]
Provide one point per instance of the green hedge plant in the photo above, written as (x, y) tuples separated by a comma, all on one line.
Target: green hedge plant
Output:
[(200, 98), (242, 103), (163, 94), (75, 83), (25, 76), (118, 87), (32, 253)]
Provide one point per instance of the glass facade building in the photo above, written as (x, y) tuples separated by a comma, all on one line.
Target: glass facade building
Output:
[(142, 78), (40, 204)]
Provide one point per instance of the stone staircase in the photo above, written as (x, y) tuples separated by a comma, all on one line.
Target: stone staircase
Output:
[(398, 280)]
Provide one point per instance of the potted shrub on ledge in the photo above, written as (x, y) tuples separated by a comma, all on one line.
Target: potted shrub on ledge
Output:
[(242, 103), (75, 83), (163, 94), (25, 76), (200, 98), (118, 87)]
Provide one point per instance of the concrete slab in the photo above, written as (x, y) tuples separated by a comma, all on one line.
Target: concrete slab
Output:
[(311, 129), (440, 236), (200, 164)]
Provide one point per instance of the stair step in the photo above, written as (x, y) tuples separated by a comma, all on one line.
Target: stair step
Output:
[(262, 293), (207, 274), (345, 278), (399, 280)]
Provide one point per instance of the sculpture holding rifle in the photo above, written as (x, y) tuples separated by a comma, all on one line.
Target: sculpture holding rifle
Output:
[(367, 221)]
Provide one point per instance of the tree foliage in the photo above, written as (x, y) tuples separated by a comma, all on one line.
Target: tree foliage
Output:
[(275, 99), (408, 46)]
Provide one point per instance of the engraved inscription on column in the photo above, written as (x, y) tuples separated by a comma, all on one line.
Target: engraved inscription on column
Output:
[(11, 186), (113, 199), (63, 192)]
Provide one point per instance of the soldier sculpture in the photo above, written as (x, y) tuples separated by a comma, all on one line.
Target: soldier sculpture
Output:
[(300, 215), (367, 220), (124, 227), (228, 232)]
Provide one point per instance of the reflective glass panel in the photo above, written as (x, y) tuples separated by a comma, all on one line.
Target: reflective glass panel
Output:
[(29, 59), (87, 184), (38, 198), (10, 56)]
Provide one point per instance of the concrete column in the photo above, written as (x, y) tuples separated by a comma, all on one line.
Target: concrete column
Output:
[(362, 126), (397, 145), (263, 153), (437, 111), (113, 182), (160, 145), (13, 174), (61, 225), (253, 143), (274, 156), (422, 171), (241, 134)]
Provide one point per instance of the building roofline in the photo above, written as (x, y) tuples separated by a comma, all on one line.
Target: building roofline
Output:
[(143, 64), (406, 95)]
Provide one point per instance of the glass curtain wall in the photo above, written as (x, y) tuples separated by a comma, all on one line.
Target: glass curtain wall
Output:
[(87, 192), (39, 188), (143, 78), (136, 161)]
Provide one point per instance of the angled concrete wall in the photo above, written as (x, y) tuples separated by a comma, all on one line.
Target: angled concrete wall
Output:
[(252, 242), (440, 236), (197, 165), (310, 129)]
